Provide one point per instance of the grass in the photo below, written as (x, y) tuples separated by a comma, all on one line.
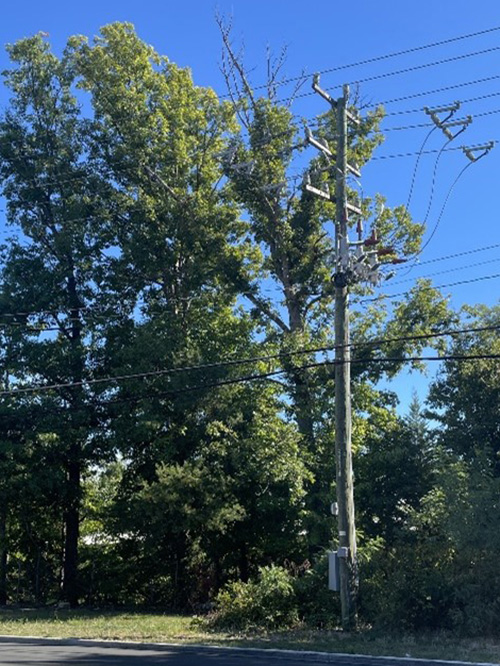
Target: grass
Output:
[(165, 628)]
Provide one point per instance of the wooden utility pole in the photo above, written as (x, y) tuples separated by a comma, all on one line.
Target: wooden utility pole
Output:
[(355, 261), (343, 451), (344, 274)]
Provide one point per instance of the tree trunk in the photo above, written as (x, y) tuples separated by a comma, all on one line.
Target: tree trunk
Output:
[(3, 556), (74, 458), (71, 535)]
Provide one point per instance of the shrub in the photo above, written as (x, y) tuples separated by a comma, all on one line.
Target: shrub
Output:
[(317, 606), (268, 603)]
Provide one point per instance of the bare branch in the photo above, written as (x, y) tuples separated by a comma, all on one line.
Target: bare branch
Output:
[(266, 309), (225, 31), (233, 91), (273, 69), (297, 87)]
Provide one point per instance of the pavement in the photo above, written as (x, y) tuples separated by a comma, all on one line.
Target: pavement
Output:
[(24, 651)]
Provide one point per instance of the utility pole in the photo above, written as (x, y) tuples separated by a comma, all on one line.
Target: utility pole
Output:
[(346, 553), (343, 452), (355, 261), (362, 264)]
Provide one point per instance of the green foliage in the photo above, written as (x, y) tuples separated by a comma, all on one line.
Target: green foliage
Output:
[(144, 248), (267, 603), (318, 607)]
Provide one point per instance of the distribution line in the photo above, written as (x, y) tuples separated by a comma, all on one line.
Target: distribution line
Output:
[(274, 373), (462, 101), (423, 93), (42, 181), (234, 362), (91, 308), (387, 56), (449, 270), (438, 286), (425, 152), (308, 366), (289, 180), (405, 70)]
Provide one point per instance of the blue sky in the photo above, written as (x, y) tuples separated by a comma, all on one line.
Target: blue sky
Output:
[(328, 34)]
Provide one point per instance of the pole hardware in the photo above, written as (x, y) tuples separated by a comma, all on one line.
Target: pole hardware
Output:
[(354, 170), (450, 109), (470, 150), (320, 144), (276, 188), (463, 122), (320, 91), (324, 194), (355, 261), (445, 123)]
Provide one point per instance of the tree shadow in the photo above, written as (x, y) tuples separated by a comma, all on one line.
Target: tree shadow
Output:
[(24, 651)]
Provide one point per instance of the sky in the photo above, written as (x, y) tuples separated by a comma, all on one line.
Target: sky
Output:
[(333, 38)]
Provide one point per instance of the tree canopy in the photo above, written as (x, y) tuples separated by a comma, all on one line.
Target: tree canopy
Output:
[(166, 315)]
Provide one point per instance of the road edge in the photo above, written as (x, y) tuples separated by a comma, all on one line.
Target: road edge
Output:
[(310, 655)]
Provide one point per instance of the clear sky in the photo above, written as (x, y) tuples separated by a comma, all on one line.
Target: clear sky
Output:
[(328, 34)]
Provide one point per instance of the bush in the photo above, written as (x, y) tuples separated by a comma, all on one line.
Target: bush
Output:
[(318, 606), (269, 603)]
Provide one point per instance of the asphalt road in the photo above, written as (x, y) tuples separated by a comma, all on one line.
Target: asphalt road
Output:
[(39, 653), (36, 652)]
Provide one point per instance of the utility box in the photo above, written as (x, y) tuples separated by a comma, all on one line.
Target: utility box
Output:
[(333, 571)]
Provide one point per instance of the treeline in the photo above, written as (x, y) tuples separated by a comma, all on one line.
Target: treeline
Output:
[(166, 418)]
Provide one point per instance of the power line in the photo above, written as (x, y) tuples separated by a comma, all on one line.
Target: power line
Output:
[(387, 56), (423, 93), (462, 101), (235, 362), (405, 70), (90, 308), (273, 373), (438, 286), (449, 270), (424, 152), (459, 254)]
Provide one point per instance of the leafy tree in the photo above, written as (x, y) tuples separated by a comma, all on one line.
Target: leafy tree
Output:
[(50, 277), (293, 229), (394, 466), (465, 398)]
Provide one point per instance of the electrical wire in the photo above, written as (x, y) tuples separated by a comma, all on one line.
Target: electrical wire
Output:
[(235, 362), (405, 70), (424, 93), (438, 286), (462, 101), (387, 56), (417, 161), (438, 221), (458, 254), (90, 308), (425, 152), (449, 270)]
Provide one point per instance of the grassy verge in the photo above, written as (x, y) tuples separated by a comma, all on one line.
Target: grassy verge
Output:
[(158, 627)]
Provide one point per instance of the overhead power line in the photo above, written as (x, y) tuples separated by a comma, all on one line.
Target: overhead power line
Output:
[(438, 286), (434, 91), (387, 56), (90, 308), (449, 270), (424, 152), (273, 373), (405, 70), (235, 362)]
